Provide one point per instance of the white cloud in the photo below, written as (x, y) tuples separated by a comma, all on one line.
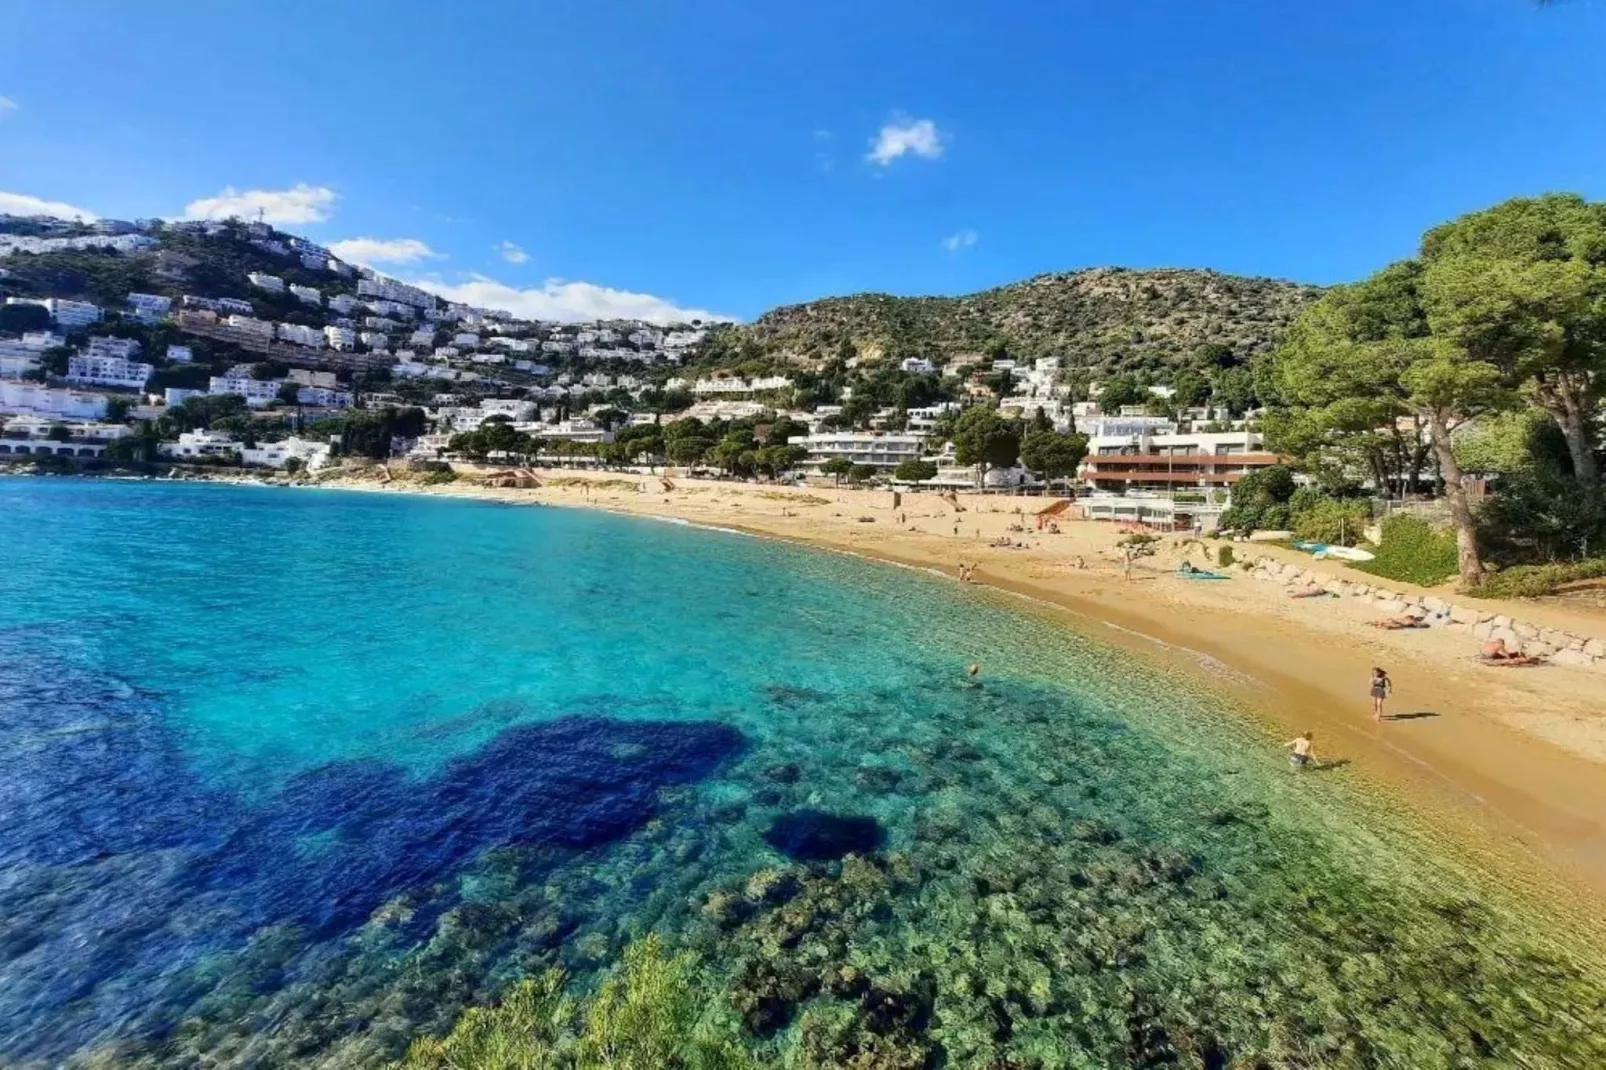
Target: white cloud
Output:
[(566, 301), (22, 204), (7, 104), (902, 136), (300, 203), (512, 253), (370, 251), (962, 240)]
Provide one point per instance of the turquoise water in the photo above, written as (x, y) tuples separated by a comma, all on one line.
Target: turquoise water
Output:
[(294, 776)]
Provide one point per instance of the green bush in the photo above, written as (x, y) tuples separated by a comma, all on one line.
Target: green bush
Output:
[(1335, 521), (1225, 556), (1412, 551), (435, 479), (650, 1014), (1536, 581)]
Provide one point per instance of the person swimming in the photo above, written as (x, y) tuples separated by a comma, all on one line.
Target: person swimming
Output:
[(1302, 749)]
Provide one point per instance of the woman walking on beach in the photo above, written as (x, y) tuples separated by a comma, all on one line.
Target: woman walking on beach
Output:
[(1382, 686)]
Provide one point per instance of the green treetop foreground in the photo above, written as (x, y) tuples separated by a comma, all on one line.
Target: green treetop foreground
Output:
[(1502, 310)]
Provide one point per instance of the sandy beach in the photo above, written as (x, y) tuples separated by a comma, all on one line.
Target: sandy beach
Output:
[(1515, 760)]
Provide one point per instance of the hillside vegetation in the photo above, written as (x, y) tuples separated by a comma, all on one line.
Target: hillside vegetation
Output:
[(1104, 319)]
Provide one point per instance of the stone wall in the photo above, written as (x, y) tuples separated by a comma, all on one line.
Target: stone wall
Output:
[(1558, 647)]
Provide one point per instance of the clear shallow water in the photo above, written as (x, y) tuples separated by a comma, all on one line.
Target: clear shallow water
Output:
[(293, 776)]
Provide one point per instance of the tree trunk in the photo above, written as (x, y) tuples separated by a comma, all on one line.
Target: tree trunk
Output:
[(1567, 404), (1469, 563)]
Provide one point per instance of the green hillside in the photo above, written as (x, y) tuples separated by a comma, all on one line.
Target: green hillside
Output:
[(1106, 319)]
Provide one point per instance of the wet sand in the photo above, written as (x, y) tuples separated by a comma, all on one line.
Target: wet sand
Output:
[(1512, 762)]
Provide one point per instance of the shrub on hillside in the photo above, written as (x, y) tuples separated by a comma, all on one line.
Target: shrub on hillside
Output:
[(1412, 551)]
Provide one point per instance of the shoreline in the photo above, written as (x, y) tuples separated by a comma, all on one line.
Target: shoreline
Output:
[(1479, 754), (1463, 755)]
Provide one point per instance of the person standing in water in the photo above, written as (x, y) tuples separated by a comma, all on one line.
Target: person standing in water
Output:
[(1382, 687), (1303, 750)]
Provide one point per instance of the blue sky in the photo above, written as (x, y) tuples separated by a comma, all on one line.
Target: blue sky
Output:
[(576, 159)]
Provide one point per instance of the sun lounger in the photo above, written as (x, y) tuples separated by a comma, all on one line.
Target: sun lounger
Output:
[(1509, 661), (1202, 574)]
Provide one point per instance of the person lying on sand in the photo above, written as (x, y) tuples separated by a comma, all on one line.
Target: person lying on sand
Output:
[(1396, 623), (1308, 592), (1495, 652)]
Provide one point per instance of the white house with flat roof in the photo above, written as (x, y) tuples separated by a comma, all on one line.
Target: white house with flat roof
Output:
[(880, 451), (264, 281), (256, 392), (299, 335), (313, 455), (323, 397), (150, 307), (51, 401), (340, 337), (105, 362), (69, 314), (308, 295), (180, 354)]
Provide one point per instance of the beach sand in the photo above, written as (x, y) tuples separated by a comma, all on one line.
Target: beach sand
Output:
[(1514, 761)]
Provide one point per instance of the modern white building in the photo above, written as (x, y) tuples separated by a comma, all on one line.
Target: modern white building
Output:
[(194, 444), (924, 420), (180, 354), (313, 455), (323, 397), (576, 430), (50, 401), (110, 367), (918, 365), (256, 392), (262, 329), (150, 307), (513, 407), (375, 339), (391, 290), (466, 339), (177, 395), (235, 304), (739, 387), (343, 304), (69, 314), (299, 335), (16, 362), (270, 283), (103, 347), (1171, 460), (308, 377), (340, 337), (309, 295), (881, 451)]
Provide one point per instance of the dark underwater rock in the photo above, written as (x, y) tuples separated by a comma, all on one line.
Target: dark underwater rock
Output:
[(877, 779), (784, 772), (814, 835)]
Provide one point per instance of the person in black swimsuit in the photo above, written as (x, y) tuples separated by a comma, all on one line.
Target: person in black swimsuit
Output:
[(1382, 686)]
